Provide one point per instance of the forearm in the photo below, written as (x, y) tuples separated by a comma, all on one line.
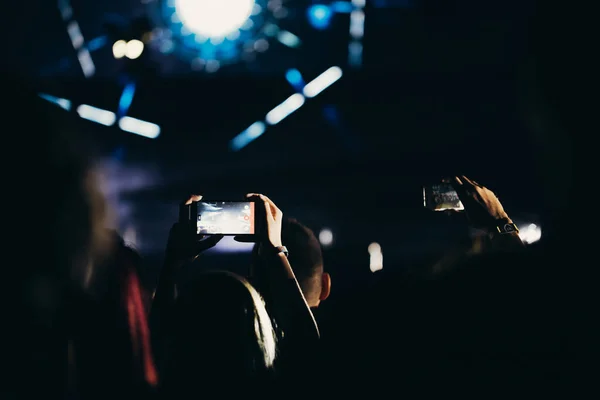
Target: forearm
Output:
[(165, 293), (287, 301)]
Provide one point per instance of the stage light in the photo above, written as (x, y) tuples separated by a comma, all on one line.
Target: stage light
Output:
[(214, 18), (294, 77), (376, 257), (326, 237), (139, 127), (62, 103), (134, 49), (247, 136), (119, 49), (322, 82), (98, 115), (319, 16), (126, 99), (284, 109)]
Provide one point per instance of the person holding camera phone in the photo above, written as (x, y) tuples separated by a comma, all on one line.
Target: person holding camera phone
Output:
[(184, 245)]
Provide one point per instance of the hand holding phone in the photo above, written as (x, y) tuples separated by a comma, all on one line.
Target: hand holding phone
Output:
[(441, 197), (269, 220), (184, 242), (229, 218)]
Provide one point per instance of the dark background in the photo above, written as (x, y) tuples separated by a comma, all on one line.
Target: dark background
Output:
[(438, 94)]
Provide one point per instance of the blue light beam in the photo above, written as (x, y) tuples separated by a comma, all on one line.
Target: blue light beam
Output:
[(126, 99), (247, 136), (62, 103), (294, 78)]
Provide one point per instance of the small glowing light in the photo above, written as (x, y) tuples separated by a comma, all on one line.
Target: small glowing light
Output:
[(135, 48), (261, 45), (326, 237), (376, 257), (530, 234), (119, 49), (214, 18)]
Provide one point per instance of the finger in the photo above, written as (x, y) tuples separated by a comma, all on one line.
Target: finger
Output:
[(274, 209), (467, 181), (193, 198), (459, 187)]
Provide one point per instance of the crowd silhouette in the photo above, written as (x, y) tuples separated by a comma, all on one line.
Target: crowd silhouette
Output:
[(79, 323)]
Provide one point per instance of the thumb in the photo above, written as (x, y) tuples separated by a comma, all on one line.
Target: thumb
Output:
[(245, 239)]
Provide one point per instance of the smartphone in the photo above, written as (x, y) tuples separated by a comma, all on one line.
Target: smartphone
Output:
[(224, 217), (441, 197)]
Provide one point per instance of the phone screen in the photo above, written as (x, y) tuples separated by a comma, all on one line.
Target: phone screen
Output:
[(441, 197), (226, 218)]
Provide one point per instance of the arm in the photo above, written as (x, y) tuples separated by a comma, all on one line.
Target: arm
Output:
[(281, 289)]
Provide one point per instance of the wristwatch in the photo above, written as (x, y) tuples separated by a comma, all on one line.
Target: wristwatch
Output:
[(504, 227), (281, 249)]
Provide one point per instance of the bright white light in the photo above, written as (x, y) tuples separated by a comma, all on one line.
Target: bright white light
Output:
[(97, 115), (119, 49), (139, 127), (322, 82), (326, 237), (214, 18), (530, 234), (357, 24), (280, 112), (135, 48), (376, 257)]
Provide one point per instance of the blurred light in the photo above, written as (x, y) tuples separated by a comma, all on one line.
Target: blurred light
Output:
[(294, 77), (66, 11), (85, 60), (96, 43), (355, 51), (326, 237), (359, 3), (214, 18), (134, 49), (126, 98), (322, 82), (63, 103), (288, 39), (530, 234), (119, 49), (280, 112), (247, 136), (342, 7), (97, 115), (357, 24), (319, 16), (75, 34), (376, 257), (139, 127)]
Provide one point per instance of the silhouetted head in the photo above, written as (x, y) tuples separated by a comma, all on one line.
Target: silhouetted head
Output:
[(220, 332), (306, 259)]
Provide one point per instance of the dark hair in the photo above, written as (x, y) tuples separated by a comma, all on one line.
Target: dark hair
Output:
[(52, 210), (220, 329), (306, 257)]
